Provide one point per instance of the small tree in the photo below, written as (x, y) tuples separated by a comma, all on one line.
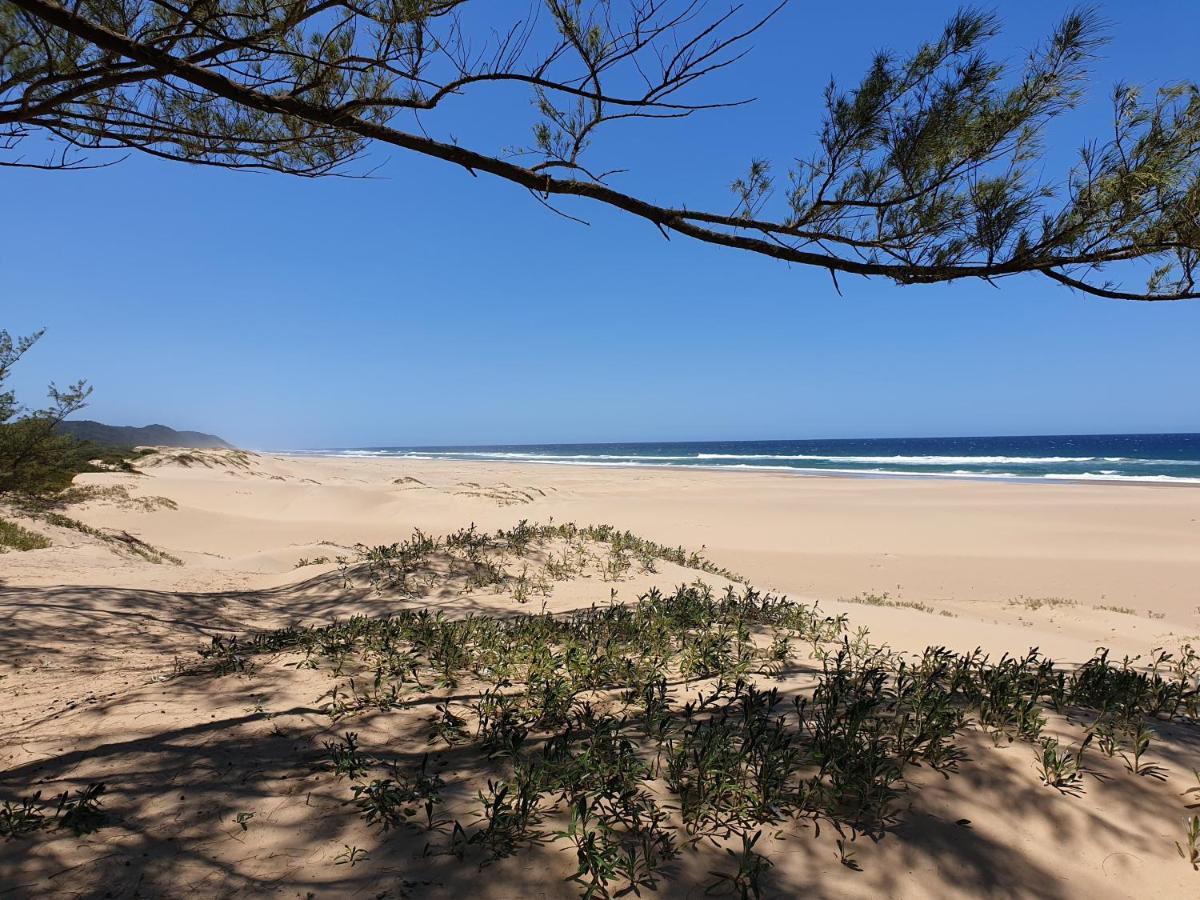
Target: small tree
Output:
[(34, 458)]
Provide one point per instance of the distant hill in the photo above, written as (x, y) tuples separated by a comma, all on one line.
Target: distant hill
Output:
[(147, 435)]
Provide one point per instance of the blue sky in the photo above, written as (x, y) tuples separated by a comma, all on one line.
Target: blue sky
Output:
[(425, 306)]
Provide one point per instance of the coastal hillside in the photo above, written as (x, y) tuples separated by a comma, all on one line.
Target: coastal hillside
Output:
[(143, 436)]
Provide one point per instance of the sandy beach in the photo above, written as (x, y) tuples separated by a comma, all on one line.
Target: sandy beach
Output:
[(722, 450), (90, 634)]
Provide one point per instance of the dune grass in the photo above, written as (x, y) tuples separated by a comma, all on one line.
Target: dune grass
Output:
[(884, 599), (121, 541), (14, 537), (1036, 603)]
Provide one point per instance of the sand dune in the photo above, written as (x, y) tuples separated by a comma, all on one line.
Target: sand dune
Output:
[(90, 634)]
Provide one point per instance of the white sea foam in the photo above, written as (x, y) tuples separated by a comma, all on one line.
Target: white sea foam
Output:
[(505, 454), (1106, 476), (1015, 467), (912, 460), (865, 460)]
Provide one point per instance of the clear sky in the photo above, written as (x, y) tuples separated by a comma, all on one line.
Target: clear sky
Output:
[(425, 306)]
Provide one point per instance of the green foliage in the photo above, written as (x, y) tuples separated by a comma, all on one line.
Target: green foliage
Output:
[(746, 879), (1190, 848), (120, 541), (930, 168), (79, 813), (1139, 744), (481, 557), (1036, 603), (351, 856), (1059, 768), (575, 719), (391, 802), (34, 459), (884, 599), (14, 537), (345, 758)]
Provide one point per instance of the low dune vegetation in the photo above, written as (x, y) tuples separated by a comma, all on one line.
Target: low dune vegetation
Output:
[(39, 463), (16, 537), (690, 741)]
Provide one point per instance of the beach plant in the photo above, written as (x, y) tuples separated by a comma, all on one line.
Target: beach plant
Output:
[(846, 855), (80, 812), (448, 726), (1189, 849), (744, 880), (1128, 691), (617, 563), (351, 856), (884, 599), (1036, 603), (521, 586), (502, 723), (22, 817), (596, 857), (1061, 768), (479, 559), (510, 813), (384, 803), (397, 800), (1139, 744), (16, 537), (1194, 791), (120, 542), (346, 760), (1108, 739), (630, 731)]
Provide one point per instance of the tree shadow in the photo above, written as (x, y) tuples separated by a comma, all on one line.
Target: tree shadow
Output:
[(183, 758)]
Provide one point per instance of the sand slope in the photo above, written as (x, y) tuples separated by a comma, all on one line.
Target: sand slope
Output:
[(89, 635)]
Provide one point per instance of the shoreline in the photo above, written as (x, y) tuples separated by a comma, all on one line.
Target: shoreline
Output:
[(971, 542), (795, 471), (1115, 566)]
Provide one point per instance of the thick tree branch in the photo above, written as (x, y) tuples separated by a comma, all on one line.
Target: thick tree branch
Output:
[(922, 176)]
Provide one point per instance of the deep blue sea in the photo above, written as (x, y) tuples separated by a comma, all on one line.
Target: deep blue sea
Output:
[(1102, 457)]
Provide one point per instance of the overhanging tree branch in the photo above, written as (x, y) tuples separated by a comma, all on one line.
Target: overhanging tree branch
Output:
[(923, 172)]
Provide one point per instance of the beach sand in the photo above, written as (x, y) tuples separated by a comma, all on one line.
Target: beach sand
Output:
[(90, 633)]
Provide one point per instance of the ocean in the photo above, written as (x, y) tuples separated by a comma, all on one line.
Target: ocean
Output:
[(1166, 458)]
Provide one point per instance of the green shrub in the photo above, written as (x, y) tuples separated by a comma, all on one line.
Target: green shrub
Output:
[(34, 458), (14, 537)]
